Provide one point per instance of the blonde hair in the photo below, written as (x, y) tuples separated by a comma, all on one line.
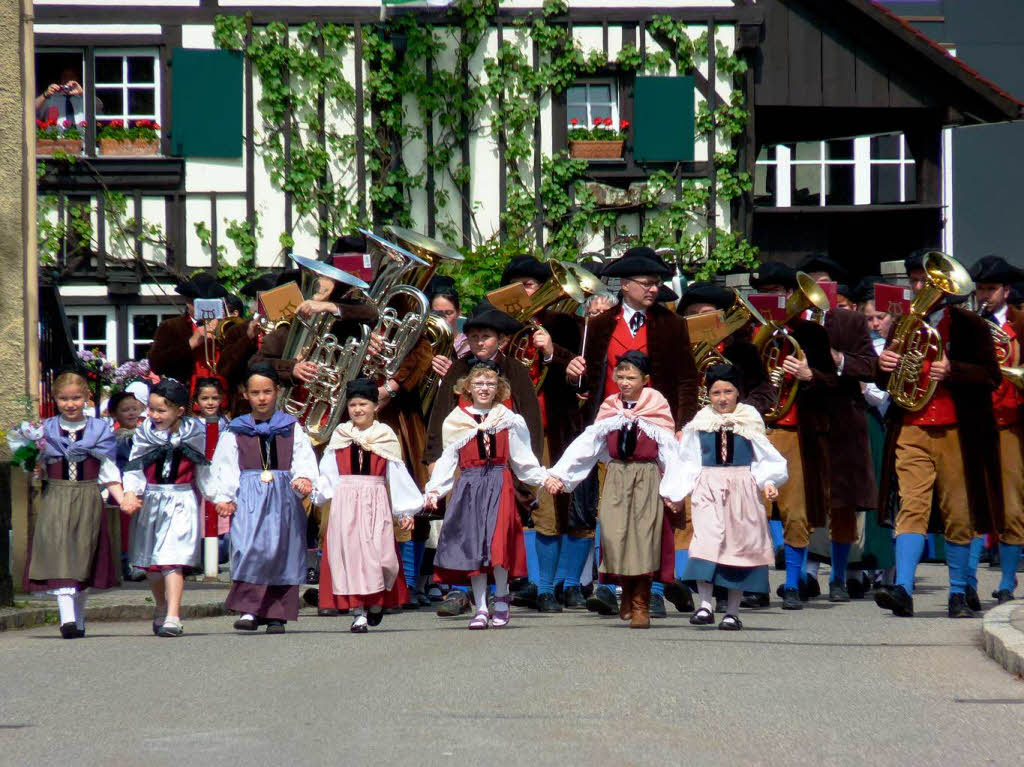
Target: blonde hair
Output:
[(462, 385), (71, 379)]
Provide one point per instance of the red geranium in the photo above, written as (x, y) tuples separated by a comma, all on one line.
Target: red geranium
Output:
[(575, 122), (624, 125)]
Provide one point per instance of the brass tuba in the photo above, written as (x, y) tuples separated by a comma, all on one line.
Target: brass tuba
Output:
[(705, 352), (775, 343), (442, 341), (918, 342)]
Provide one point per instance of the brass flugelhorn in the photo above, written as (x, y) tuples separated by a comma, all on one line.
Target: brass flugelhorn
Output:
[(705, 352)]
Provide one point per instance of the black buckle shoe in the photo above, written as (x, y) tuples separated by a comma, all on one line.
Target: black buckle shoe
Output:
[(573, 599), (971, 596), (958, 607), (374, 617), (837, 592), (546, 603), (730, 623), (69, 630), (603, 601), (791, 600), (679, 594), (895, 598), (245, 624), (275, 626), (703, 617)]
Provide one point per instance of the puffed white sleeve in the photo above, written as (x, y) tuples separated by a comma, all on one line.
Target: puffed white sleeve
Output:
[(582, 454), (768, 465), (303, 457), (442, 478), (523, 462), (686, 467), (134, 481), (323, 488), (406, 498), (224, 472), (109, 473)]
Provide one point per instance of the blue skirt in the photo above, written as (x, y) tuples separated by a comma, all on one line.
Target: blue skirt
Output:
[(753, 579)]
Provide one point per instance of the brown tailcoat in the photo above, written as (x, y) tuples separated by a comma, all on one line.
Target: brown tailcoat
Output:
[(974, 375), (170, 355)]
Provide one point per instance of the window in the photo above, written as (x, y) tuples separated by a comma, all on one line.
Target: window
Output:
[(592, 99), (94, 328), (142, 325), (866, 170), (60, 67), (126, 84)]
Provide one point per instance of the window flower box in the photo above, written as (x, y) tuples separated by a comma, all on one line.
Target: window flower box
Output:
[(602, 142), (596, 150), (116, 146), (119, 138), (54, 137)]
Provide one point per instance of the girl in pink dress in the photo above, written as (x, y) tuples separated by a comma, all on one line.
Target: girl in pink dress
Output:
[(361, 468)]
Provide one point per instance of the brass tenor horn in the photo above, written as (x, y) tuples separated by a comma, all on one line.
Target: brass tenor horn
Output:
[(705, 352), (775, 343)]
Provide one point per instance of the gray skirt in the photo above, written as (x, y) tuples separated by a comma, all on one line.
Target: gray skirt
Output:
[(166, 531), (67, 530), (631, 514)]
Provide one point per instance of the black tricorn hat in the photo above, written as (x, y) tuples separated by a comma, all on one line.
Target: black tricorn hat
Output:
[(995, 270), (819, 262), (705, 293), (201, 285), (349, 243), (525, 266), (441, 285), (486, 316), (635, 262), (774, 273)]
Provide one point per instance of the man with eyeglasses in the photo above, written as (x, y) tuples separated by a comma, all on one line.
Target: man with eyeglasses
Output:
[(639, 323)]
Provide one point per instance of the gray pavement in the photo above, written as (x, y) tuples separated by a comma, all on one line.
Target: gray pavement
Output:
[(830, 685)]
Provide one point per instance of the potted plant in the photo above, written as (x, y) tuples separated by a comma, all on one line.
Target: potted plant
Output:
[(120, 137), (53, 136), (602, 142)]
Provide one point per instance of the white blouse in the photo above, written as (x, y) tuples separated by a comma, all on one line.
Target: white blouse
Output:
[(768, 464), (521, 461), (227, 476), (406, 498)]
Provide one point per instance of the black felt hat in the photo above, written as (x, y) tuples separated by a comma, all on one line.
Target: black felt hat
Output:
[(362, 387), (486, 316), (264, 369), (440, 285), (774, 273), (263, 282), (172, 391), (995, 270), (865, 289), (201, 285), (637, 359), (916, 259), (489, 364), (525, 266), (666, 294), (723, 372), (637, 261), (819, 262), (349, 243), (705, 293)]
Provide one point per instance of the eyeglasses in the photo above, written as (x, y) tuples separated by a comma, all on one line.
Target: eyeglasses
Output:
[(646, 284), (484, 385)]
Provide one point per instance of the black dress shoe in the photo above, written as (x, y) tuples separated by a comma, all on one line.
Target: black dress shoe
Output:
[(456, 603), (275, 626), (574, 599), (559, 594), (730, 623), (895, 598), (326, 612), (809, 587), (679, 594), (971, 597), (752, 601), (546, 603), (526, 596), (358, 628), (411, 605), (703, 617), (246, 624), (603, 601), (656, 606), (1003, 596), (837, 592), (374, 617), (856, 588), (311, 597), (958, 607), (69, 630), (791, 600)]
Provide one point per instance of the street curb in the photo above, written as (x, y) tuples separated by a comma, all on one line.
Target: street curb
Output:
[(33, 617), (1004, 643)]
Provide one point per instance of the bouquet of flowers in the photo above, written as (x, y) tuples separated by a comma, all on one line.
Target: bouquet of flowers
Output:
[(129, 372), (603, 130), (125, 130), (25, 441), (54, 130), (97, 369)]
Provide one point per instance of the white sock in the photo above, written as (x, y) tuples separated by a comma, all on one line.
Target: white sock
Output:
[(248, 617), (66, 606), (811, 568), (80, 598), (704, 592), (500, 582), (734, 602), (360, 620), (479, 583), (587, 576)]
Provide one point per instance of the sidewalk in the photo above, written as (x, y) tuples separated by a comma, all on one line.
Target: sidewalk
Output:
[(1004, 636), (130, 602)]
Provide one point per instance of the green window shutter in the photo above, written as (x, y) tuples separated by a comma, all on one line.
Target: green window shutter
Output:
[(663, 126), (206, 103)]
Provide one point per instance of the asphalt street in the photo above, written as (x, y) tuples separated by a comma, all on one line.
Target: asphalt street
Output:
[(830, 685)]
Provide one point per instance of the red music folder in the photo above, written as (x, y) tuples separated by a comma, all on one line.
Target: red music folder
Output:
[(894, 299), (771, 305), (358, 264), (832, 291)]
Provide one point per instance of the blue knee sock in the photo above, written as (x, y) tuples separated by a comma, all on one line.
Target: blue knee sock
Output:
[(532, 567), (1009, 558), (682, 557), (794, 565), (597, 545), (775, 527), (909, 548), (575, 552), (957, 557), (840, 559), (977, 546), (563, 568), (657, 587), (418, 549), (409, 568), (548, 548)]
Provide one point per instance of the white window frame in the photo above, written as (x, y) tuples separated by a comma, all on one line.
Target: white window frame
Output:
[(75, 315), (904, 161), (124, 54), (161, 312), (612, 83)]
